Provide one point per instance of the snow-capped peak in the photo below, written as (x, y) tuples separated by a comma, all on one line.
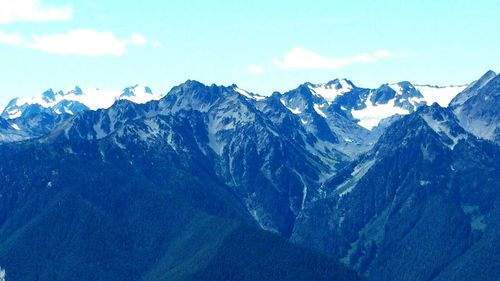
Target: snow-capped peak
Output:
[(77, 91), (49, 95), (138, 94), (331, 90), (78, 99), (405, 88), (407, 98), (247, 94)]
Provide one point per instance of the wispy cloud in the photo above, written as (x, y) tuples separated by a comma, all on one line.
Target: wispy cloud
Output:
[(301, 58), (136, 39), (32, 11), (86, 42), (255, 69), (83, 42)]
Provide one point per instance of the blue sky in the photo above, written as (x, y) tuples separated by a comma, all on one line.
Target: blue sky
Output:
[(258, 45)]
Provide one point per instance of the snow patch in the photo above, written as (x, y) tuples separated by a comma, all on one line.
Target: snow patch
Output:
[(248, 94), (295, 110), (93, 98), (15, 114), (318, 110), (397, 88), (371, 115), (16, 127), (440, 95)]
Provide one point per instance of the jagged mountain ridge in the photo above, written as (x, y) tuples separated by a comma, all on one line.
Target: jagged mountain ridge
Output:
[(76, 100), (37, 116), (291, 172), (338, 97), (230, 115), (247, 150), (370, 106), (324, 141), (427, 189)]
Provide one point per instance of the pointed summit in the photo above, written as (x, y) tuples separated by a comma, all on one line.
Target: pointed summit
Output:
[(405, 89), (49, 96), (77, 91), (473, 89), (196, 95), (333, 89), (489, 75), (138, 94), (339, 84)]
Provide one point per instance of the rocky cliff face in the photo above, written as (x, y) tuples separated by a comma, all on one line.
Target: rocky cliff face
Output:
[(477, 107)]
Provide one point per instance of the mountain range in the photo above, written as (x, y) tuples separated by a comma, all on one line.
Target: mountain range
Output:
[(323, 182)]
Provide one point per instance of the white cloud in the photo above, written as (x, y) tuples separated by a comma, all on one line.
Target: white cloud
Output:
[(139, 39), (32, 11), (300, 58), (10, 38), (255, 69), (85, 42)]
